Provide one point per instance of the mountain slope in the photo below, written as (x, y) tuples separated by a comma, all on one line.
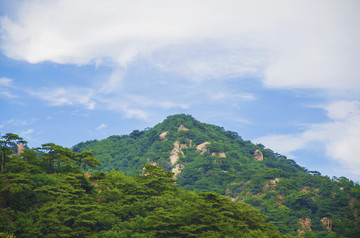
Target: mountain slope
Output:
[(208, 158)]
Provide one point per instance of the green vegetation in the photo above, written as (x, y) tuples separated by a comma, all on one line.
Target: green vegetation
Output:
[(296, 200), (44, 193), (225, 187)]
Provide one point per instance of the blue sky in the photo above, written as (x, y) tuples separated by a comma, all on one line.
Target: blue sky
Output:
[(282, 73)]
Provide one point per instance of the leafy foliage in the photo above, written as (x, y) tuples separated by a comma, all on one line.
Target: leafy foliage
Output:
[(133, 193), (52, 197), (281, 189)]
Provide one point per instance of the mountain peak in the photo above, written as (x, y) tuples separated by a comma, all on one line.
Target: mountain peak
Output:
[(206, 157)]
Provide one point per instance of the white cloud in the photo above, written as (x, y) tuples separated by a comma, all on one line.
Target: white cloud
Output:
[(340, 137), (340, 110), (5, 85), (102, 126), (27, 132), (114, 82), (66, 96), (6, 82), (283, 144), (218, 96), (310, 44), (149, 102), (121, 105), (133, 106), (21, 122), (134, 113), (7, 94)]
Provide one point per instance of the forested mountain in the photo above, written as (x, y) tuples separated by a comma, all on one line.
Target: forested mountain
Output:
[(207, 158), (44, 192)]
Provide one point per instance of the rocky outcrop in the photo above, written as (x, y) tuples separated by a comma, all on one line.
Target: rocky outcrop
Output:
[(276, 180), (258, 155), (174, 158), (177, 169), (271, 185), (182, 128), (183, 146), (175, 153), (20, 148), (220, 155), (163, 135), (202, 147), (305, 189), (305, 224), (327, 223)]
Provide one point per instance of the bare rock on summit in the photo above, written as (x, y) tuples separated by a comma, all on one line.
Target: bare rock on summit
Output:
[(182, 128)]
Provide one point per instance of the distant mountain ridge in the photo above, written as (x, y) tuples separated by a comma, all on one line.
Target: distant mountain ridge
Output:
[(206, 157)]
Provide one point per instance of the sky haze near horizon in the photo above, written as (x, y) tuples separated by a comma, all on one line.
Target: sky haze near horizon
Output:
[(282, 73)]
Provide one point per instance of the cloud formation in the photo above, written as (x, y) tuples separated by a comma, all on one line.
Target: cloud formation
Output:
[(340, 136), (65, 96), (6, 84), (291, 44), (102, 126), (284, 44)]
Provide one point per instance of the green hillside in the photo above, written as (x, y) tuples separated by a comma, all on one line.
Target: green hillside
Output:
[(44, 192), (207, 158)]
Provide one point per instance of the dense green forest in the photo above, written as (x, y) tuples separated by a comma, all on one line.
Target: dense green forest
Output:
[(45, 192), (207, 158), (182, 178)]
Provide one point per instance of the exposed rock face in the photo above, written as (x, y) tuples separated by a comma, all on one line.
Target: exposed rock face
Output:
[(220, 155), (177, 169), (174, 158), (258, 155), (276, 180), (271, 185), (300, 232), (305, 189), (175, 153), (20, 148), (305, 224), (182, 128), (163, 135), (327, 223), (202, 147)]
